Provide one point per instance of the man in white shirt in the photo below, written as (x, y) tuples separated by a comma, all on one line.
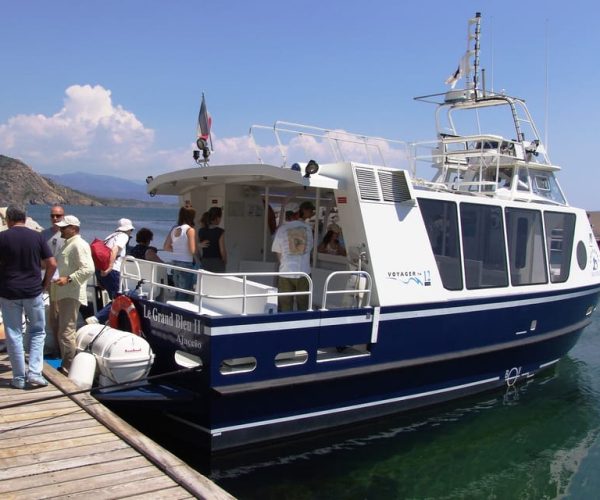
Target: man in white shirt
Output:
[(76, 266), (293, 244)]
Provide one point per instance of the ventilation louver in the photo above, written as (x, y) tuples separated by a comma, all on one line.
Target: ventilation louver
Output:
[(367, 184), (394, 186), (383, 185)]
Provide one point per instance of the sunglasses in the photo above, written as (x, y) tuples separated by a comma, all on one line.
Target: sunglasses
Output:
[(56, 216)]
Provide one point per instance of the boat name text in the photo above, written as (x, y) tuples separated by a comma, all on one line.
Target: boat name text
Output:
[(172, 319)]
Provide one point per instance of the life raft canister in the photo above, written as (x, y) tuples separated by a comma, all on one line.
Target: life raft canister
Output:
[(122, 303)]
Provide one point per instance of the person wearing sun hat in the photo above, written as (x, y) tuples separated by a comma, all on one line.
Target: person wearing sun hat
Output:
[(109, 278), (75, 267)]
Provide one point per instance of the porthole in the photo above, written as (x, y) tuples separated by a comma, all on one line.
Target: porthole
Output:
[(237, 365), (291, 358), (581, 255)]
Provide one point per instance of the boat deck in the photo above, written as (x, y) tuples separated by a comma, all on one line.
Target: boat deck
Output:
[(52, 446)]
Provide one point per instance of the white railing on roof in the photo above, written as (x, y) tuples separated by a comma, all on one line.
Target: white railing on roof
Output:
[(343, 146)]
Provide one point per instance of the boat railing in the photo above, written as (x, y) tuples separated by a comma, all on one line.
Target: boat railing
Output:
[(217, 293), (360, 287), (474, 163), (307, 141)]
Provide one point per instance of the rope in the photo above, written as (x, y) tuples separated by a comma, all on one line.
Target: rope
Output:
[(83, 391)]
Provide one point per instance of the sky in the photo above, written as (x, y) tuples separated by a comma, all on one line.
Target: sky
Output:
[(114, 86)]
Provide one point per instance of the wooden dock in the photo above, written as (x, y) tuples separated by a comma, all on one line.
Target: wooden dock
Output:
[(75, 447)]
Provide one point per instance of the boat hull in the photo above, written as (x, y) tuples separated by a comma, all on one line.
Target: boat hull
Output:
[(413, 357)]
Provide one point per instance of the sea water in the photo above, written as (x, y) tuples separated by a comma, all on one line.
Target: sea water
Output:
[(99, 222), (536, 440)]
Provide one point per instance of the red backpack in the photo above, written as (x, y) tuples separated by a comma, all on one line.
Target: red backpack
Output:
[(100, 254)]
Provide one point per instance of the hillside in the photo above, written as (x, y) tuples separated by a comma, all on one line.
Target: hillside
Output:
[(19, 184)]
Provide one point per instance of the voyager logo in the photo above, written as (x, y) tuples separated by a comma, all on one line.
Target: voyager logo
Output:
[(420, 278)]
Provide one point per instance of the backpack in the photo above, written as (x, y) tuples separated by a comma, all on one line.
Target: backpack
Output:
[(100, 254)]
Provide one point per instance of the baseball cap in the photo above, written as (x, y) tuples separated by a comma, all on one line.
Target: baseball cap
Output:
[(69, 220)]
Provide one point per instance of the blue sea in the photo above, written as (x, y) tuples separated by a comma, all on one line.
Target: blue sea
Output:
[(99, 222), (537, 440)]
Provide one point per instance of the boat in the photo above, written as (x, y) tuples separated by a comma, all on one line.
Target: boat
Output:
[(471, 277)]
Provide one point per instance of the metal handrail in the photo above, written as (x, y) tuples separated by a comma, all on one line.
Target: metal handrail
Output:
[(356, 290), (199, 293), (333, 138)]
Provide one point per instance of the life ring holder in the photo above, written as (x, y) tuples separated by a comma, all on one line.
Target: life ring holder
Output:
[(122, 303)]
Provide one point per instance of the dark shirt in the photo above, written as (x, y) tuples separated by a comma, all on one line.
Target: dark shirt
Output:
[(139, 251), (212, 234), (21, 253)]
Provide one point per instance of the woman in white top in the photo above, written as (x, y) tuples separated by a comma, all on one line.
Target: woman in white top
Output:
[(181, 241)]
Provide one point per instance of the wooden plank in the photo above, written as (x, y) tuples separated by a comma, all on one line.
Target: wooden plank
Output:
[(50, 432), (81, 452), (126, 480), (37, 415), (175, 493), (147, 486), (43, 435), (75, 473), (34, 426), (67, 463), (70, 445), (29, 407)]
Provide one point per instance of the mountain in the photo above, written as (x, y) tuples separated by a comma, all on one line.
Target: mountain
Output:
[(20, 185), (106, 186)]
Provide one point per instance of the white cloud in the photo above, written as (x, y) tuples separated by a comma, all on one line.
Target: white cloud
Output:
[(91, 133), (88, 132)]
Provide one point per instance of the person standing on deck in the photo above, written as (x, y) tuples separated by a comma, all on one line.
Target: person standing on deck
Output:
[(55, 242), (293, 245), (181, 241), (211, 238), (75, 266), (110, 277), (22, 252)]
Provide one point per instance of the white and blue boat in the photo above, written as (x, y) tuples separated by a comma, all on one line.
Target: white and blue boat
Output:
[(473, 280)]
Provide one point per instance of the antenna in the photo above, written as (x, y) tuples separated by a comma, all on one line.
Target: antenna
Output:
[(546, 93), (476, 49)]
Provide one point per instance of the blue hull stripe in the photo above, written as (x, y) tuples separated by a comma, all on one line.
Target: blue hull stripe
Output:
[(217, 432)]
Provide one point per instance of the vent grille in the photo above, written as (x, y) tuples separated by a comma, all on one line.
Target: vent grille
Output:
[(367, 184), (394, 186)]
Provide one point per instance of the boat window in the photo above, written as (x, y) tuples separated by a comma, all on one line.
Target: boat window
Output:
[(559, 244), (526, 254), (237, 365), (545, 184), (441, 222), (291, 358), (483, 243), (523, 182)]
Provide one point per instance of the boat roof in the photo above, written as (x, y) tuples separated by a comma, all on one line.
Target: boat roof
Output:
[(180, 182)]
